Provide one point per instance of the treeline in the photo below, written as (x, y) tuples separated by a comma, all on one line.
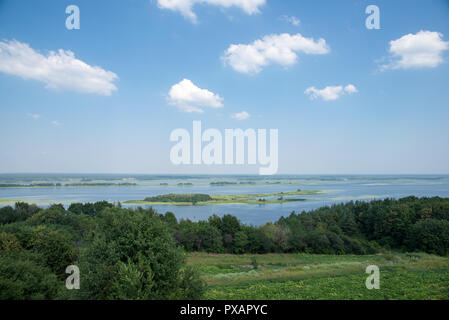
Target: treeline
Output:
[(408, 224), (180, 198), (82, 184), (100, 184), (230, 183), (15, 185), (139, 253)]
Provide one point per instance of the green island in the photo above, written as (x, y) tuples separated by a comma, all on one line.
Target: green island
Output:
[(241, 183), (250, 183), (205, 199), (7, 200)]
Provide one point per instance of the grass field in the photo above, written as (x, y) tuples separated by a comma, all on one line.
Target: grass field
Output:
[(303, 276)]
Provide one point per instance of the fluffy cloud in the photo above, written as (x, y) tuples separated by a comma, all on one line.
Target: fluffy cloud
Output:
[(241, 115), (280, 49), (350, 88), (34, 115), (56, 123), (186, 6), (330, 93), (58, 70), (292, 20), (421, 50), (189, 98)]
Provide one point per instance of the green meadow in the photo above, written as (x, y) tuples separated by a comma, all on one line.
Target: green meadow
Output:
[(307, 276)]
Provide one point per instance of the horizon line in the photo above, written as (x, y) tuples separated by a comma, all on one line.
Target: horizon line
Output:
[(222, 174)]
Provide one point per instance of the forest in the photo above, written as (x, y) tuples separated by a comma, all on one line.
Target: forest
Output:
[(125, 253)]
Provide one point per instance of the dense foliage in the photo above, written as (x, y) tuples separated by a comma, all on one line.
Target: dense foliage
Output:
[(121, 254), (139, 254), (409, 224)]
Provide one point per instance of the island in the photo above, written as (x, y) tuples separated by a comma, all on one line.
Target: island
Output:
[(193, 199)]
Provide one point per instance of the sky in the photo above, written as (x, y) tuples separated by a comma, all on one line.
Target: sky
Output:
[(105, 98)]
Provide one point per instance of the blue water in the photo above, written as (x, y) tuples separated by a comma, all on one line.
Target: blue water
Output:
[(337, 189)]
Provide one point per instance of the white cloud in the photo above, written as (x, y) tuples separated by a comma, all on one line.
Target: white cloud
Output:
[(330, 93), (292, 20), (186, 6), (241, 115), (350, 88), (58, 70), (56, 123), (189, 98), (34, 115), (276, 48), (421, 50)]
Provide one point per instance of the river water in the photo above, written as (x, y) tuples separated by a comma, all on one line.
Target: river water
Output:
[(336, 189)]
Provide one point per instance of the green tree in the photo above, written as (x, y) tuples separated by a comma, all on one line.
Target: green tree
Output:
[(132, 281), (145, 245), (240, 242), (430, 235), (57, 249), (9, 242)]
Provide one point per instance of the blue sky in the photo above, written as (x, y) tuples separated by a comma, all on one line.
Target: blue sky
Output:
[(395, 122)]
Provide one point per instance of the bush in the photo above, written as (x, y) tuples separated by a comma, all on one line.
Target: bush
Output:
[(191, 286), (254, 263)]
